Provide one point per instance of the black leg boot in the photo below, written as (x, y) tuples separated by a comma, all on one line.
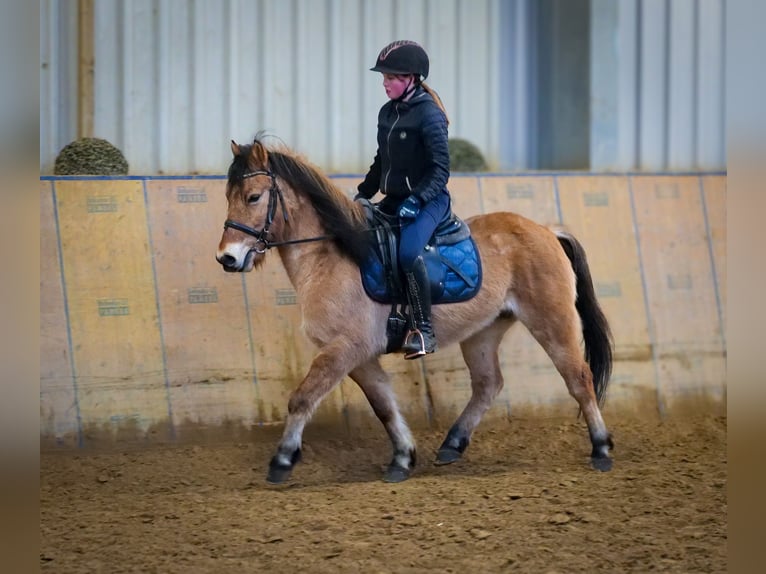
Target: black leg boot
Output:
[(421, 340)]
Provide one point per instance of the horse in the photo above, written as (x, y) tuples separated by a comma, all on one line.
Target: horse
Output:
[(531, 274)]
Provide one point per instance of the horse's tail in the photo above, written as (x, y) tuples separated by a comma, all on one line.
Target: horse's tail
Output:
[(595, 328)]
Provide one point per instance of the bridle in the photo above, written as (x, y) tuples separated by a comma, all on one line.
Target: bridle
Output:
[(275, 195)]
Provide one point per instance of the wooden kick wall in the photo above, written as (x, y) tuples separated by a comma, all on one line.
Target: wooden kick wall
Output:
[(144, 337)]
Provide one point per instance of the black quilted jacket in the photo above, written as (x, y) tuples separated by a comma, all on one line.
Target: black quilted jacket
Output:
[(412, 156)]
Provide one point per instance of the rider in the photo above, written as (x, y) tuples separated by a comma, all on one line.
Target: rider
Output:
[(411, 168)]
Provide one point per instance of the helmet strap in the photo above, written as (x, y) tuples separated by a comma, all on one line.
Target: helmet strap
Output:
[(410, 88)]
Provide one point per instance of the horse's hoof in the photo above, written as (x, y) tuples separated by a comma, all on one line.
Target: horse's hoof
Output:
[(396, 473), (447, 456), (278, 475), (602, 463)]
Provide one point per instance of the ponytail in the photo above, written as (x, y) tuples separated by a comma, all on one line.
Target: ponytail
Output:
[(436, 98)]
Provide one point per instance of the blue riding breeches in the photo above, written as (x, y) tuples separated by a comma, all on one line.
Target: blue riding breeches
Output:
[(416, 233)]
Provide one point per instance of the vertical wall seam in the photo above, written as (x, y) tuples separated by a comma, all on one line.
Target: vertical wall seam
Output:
[(252, 345), (557, 199), (713, 266), (171, 423), (72, 362), (647, 309), (481, 194)]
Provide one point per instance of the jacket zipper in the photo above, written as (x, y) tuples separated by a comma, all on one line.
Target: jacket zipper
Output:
[(388, 146)]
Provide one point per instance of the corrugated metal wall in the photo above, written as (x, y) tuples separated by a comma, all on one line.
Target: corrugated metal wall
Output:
[(58, 78), (658, 82), (175, 80)]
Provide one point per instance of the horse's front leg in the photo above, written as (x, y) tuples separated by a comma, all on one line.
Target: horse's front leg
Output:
[(376, 386), (327, 369)]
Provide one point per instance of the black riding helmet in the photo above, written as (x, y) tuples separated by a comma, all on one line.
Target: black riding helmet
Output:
[(402, 57)]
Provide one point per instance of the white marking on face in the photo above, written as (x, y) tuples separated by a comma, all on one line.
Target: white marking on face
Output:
[(237, 250)]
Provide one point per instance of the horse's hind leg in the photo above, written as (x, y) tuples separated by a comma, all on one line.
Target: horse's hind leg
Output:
[(559, 333), (376, 386), (480, 354)]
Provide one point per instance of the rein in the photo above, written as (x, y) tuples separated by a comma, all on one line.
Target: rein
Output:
[(275, 195)]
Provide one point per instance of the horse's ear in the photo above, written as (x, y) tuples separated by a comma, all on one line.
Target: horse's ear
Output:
[(259, 155), (235, 148)]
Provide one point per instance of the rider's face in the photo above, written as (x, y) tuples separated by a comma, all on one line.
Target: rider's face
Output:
[(396, 85)]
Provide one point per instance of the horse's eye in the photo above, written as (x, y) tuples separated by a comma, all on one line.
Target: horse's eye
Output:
[(253, 198)]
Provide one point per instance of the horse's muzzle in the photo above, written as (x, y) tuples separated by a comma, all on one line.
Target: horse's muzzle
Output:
[(231, 265)]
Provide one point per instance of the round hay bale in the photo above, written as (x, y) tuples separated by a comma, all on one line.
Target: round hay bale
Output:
[(90, 156), (465, 156)]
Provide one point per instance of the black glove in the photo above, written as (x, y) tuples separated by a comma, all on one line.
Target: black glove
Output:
[(410, 208)]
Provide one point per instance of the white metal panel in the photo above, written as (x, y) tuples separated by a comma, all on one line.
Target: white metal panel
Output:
[(410, 18), (174, 81), (277, 53), (58, 78), (140, 102), (628, 18), (653, 84), (211, 75), (378, 30), (443, 46), (108, 76), (516, 97), (313, 105), (671, 85), (175, 133), (470, 112), (603, 93), (711, 134), (246, 75), (682, 98), (349, 148), (491, 139)]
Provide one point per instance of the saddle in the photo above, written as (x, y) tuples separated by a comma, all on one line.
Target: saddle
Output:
[(451, 258)]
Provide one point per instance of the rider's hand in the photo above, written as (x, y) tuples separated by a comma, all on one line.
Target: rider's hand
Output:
[(410, 208)]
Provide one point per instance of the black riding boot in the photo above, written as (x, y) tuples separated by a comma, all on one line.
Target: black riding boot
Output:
[(421, 339)]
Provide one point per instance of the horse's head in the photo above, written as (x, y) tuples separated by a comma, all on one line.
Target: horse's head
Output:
[(254, 198)]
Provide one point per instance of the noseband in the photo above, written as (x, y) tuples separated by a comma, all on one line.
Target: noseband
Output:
[(275, 195)]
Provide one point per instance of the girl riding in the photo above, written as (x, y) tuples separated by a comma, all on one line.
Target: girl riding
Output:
[(411, 168)]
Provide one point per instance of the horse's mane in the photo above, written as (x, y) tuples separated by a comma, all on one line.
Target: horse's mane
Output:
[(339, 216)]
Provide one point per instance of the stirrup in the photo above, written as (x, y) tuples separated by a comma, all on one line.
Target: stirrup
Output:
[(421, 351)]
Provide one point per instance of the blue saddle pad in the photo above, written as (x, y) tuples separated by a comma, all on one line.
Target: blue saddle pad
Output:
[(454, 272)]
